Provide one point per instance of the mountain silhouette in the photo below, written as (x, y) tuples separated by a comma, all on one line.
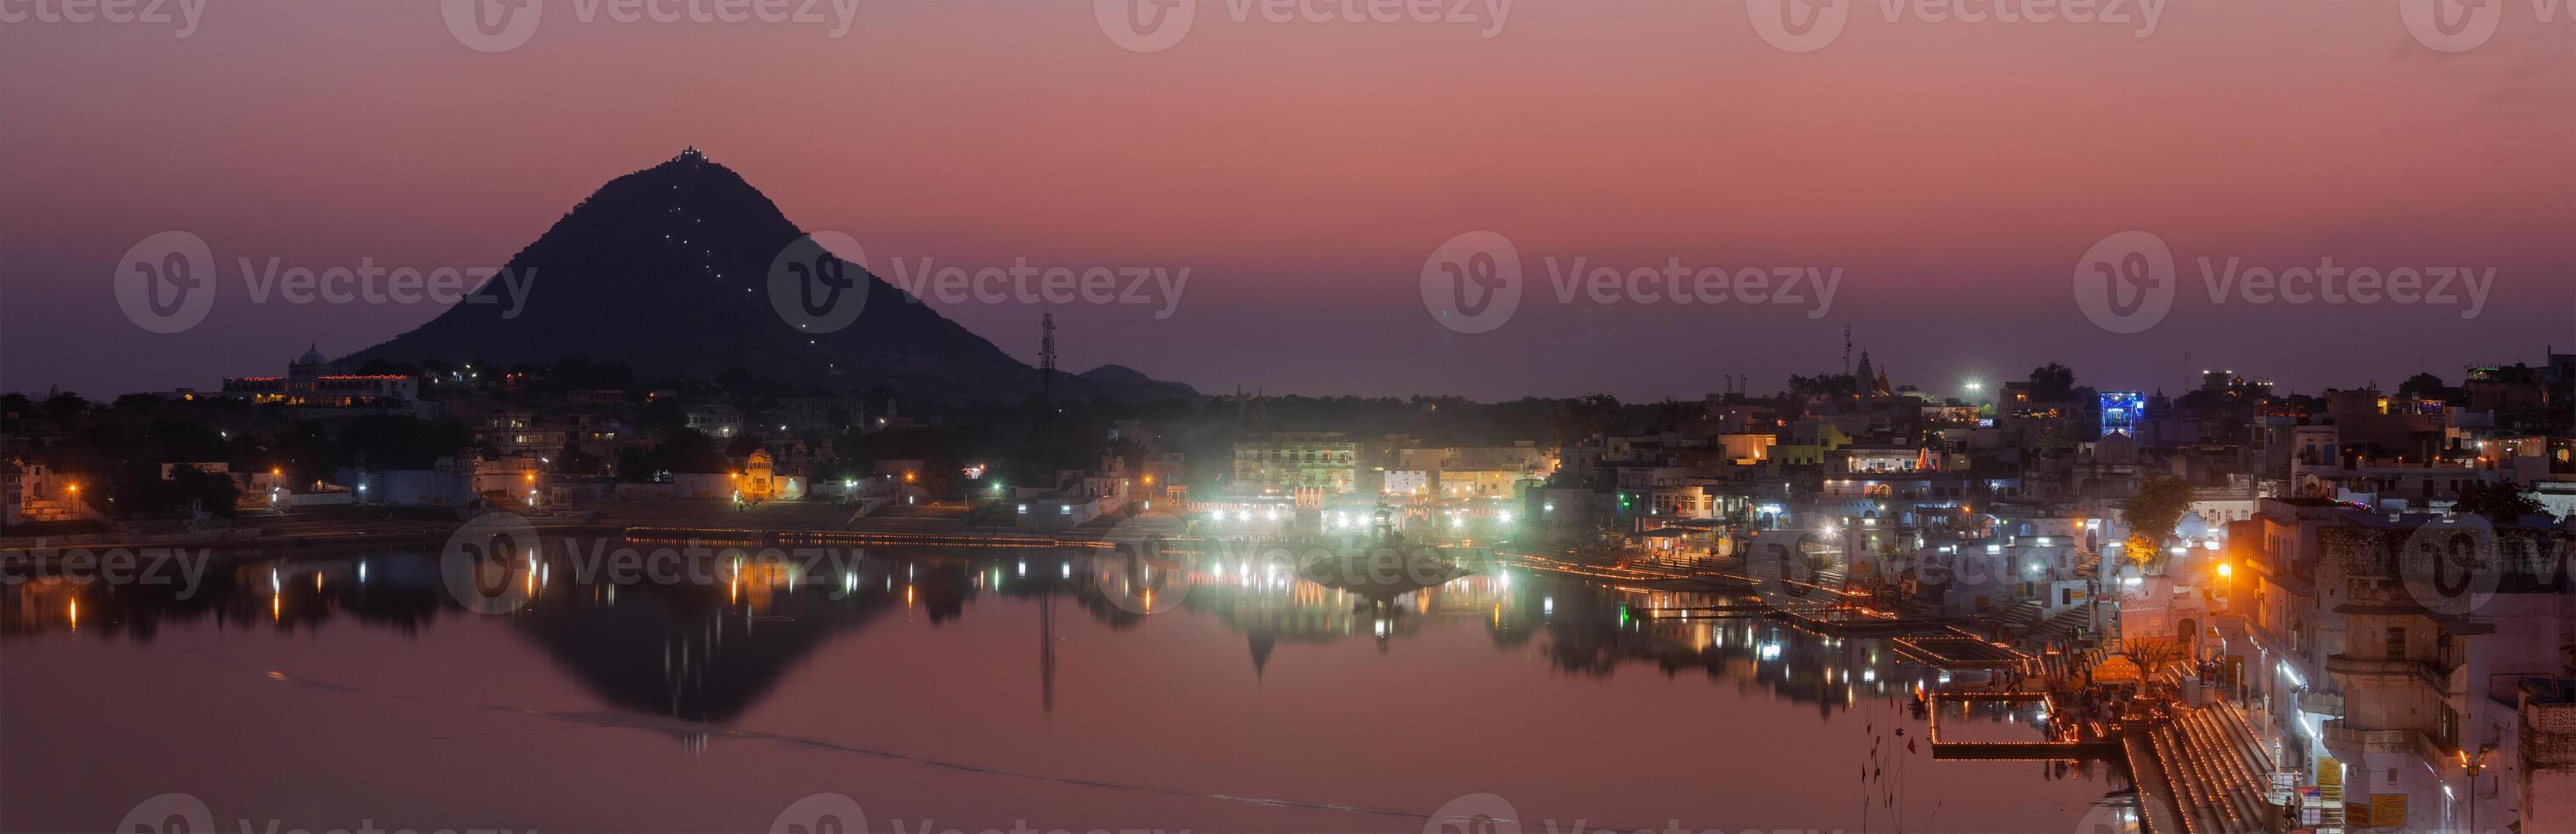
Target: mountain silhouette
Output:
[(667, 270)]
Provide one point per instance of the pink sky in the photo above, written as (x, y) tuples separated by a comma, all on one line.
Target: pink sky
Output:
[(1304, 171)]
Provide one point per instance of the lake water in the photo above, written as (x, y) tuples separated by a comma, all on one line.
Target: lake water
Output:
[(939, 691)]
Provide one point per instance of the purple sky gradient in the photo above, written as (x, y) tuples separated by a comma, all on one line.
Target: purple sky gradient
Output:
[(1303, 172)]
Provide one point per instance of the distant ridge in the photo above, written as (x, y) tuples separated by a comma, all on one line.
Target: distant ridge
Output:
[(666, 269)]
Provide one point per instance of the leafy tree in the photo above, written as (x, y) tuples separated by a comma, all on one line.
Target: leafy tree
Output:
[(2502, 503), (65, 407), (2423, 386), (1598, 414), (662, 417), (386, 441), (1824, 385), (2152, 515), (572, 459), (2052, 382)]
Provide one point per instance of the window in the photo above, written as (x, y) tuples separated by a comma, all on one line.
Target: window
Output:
[(2396, 643)]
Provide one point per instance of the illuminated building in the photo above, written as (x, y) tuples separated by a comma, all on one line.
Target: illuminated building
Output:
[(309, 381)]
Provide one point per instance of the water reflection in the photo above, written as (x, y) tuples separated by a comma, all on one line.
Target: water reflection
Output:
[(710, 650)]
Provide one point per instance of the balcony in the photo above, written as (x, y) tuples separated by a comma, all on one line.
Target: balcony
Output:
[(2347, 743), (2344, 665)]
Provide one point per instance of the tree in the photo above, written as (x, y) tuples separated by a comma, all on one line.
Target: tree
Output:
[(65, 407), (2422, 386), (2502, 503), (1824, 385), (1598, 414), (2052, 382), (2152, 515)]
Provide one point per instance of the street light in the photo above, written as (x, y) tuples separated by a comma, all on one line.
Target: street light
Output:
[(2473, 764)]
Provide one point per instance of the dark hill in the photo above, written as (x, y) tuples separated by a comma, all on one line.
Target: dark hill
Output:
[(666, 269)]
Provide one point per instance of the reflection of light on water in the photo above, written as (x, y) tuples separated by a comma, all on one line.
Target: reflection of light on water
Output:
[(276, 607), (1770, 651), (75, 613)]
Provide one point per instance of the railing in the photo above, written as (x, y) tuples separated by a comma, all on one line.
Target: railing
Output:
[(2337, 735), (2426, 673)]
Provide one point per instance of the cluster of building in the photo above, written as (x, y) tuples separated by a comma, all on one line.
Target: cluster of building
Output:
[(2409, 655)]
